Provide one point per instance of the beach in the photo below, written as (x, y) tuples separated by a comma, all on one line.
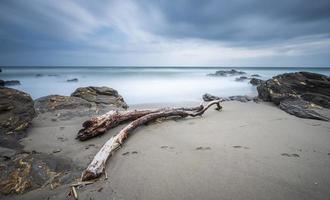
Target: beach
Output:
[(246, 151)]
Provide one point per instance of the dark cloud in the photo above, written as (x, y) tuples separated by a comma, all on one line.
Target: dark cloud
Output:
[(247, 21)]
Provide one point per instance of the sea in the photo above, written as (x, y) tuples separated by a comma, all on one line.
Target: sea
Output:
[(140, 85)]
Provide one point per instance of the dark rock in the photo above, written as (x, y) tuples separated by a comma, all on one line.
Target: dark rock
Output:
[(309, 88), (39, 75), (232, 72), (244, 98), (210, 97), (242, 78), (9, 83), (57, 102), (28, 171), (255, 75), (100, 95), (303, 109), (0, 70), (72, 80), (241, 98), (256, 81), (16, 113)]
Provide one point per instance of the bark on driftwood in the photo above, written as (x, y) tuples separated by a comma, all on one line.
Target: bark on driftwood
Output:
[(97, 166), (99, 125)]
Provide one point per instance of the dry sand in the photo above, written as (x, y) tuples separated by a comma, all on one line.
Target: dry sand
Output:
[(246, 151)]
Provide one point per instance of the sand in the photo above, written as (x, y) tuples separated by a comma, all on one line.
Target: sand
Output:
[(246, 151)]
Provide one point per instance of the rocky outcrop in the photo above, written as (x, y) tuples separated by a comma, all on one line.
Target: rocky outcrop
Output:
[(256, 81), (59, 107), (255, 75), (72, 80), (240, 98), (242, 78), (25, 171), (57, 102), (16, 113), (100, 95), (303, 109), (232, 72), (9, 83), (303, 94), (209, 97)]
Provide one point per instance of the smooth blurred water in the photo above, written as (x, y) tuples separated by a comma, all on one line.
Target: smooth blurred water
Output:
[(140, 84)]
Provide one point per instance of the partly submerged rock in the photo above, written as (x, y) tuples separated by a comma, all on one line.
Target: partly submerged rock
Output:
[(100, 95), (256, 81), (9, 83), (72, 80), (232, 72), (241, 78), (16, 113), (299, 88), (210, 97), (255, 75)]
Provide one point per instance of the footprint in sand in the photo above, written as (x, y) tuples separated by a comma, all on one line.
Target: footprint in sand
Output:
[(166, 147), (203, 148), (127, 152), (62, 139), (239, 147), (290, 155)]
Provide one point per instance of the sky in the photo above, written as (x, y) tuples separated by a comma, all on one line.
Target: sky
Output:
[(281, 33)]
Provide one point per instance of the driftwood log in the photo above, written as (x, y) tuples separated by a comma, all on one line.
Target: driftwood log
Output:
[(99, 125), (97, 166)]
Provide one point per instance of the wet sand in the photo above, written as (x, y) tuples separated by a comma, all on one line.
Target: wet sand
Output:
[(246, 151)]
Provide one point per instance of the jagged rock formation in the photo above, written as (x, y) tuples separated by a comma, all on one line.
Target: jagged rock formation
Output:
[(100, 95), (303, 94)]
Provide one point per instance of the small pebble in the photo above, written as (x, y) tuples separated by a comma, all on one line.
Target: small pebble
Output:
[(57, 150)]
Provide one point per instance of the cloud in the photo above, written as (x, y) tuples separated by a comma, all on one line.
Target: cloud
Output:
[(144, 32)]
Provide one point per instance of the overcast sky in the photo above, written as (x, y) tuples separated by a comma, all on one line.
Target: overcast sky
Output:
[(165, 33)]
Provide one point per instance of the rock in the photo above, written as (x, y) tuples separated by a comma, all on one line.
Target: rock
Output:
[(256, 81), (303, 109), (39, 75), (210, 97), (100, 95), (242, 78), (28, 171), (9, 83), (255, 75), (16, 113), (0, 70), (57, 102), (57, 150), (302, 89), (232, 72), (241, 98), (72, 80)]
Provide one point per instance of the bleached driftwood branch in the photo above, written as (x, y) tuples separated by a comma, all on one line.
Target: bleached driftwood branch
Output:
[(99, 125)]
